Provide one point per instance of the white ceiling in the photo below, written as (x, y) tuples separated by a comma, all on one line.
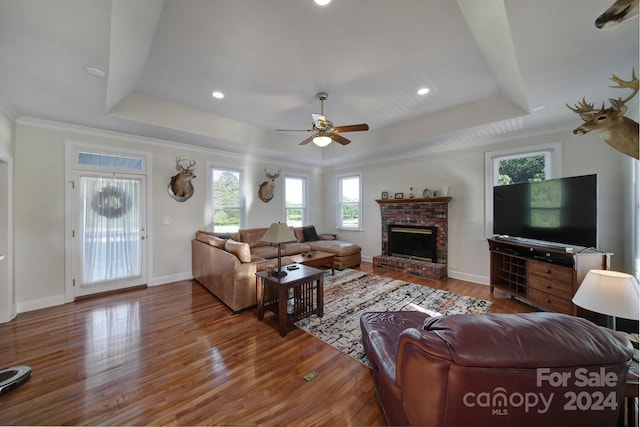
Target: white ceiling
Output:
[(489, 64)]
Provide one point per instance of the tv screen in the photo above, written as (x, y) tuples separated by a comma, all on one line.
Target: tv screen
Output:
[(561, 210)]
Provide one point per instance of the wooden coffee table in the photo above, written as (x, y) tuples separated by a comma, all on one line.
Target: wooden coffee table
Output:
[(319, 259), (303, 287)]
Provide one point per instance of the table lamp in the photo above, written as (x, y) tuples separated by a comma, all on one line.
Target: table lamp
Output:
[(279, 233), (609, 292)]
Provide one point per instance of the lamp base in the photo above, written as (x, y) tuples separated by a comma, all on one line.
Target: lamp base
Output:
[(276, 273)]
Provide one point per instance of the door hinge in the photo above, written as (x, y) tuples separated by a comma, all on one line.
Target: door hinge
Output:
[(74, 283), (73, 233)]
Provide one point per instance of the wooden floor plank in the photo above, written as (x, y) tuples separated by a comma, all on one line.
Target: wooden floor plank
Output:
[(174, 354)]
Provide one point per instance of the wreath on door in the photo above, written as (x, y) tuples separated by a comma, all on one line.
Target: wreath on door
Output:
[(111, 202)]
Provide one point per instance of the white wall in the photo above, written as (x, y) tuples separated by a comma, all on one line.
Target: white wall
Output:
[(463, 172), (40, 207)]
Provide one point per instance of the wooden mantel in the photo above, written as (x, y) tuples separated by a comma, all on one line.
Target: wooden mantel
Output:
[(434, 200)]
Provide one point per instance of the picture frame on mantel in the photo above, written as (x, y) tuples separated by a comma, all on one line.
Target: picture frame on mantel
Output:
[(399, 196), (384, 195)]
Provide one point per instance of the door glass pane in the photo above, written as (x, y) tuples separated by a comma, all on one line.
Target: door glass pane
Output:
[(110, 229)]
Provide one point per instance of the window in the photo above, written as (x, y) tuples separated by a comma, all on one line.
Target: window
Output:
[(295, 203), (519, 165), (227, 195), (349, 202), (110, 161)]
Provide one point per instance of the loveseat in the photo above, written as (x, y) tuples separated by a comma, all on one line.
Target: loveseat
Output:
[(226, 264), (533, 369)]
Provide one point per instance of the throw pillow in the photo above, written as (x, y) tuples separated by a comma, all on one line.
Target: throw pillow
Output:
[(310, 234), (239, 249)]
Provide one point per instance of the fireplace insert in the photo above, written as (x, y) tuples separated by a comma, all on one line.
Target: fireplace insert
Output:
[(413, 242)]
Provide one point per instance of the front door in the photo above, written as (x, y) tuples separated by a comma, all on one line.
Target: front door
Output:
[(109, 232)]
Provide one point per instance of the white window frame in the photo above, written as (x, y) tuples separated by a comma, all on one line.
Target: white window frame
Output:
[(553, 169), (211, 200), (303, 208), (339, 224)]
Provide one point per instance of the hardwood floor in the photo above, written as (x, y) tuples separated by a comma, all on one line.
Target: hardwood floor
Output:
[(174, 354)]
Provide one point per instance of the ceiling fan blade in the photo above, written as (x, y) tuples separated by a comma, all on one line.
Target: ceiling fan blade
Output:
[(306, 141), (340, 139), (352, 128), (320, 121)]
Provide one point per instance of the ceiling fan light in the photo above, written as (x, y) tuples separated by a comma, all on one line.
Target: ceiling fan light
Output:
[(322, 2), (322, 141)]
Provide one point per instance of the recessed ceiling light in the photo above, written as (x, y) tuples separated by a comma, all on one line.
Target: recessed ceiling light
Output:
[(217, 95), (322, 2), (423, 91), (96, 72)]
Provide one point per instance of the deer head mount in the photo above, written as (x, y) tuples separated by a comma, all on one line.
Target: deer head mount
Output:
[(619, 12), (265, 192), (180, 187), (618, 131)]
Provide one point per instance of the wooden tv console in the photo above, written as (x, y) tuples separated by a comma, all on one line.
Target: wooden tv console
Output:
[(544, 276)]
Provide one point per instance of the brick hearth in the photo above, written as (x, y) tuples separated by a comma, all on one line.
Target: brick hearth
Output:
[(431, 212)]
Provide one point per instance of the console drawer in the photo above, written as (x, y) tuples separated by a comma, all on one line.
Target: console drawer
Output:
[(549, 272), (549, 301), (557, 289)]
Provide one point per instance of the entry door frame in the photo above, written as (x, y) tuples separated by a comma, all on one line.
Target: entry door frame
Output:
[(71, 169), (8, 309)]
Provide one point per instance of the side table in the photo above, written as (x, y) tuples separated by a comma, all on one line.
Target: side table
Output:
[(303, 287)]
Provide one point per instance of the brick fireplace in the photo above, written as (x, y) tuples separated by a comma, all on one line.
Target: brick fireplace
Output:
[(424, 213)]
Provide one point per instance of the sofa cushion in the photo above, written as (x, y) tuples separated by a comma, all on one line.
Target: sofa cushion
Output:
[(337, 247), (294, 248), (266, 252), (239, 249), (310, 234), (253, 236), (297, 231)]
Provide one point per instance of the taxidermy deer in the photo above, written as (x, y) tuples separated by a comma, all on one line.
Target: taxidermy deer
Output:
[(266, 188), (181, 182), (618, 131), (619, 12)]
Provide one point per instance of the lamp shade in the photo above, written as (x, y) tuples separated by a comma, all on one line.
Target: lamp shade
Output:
[(609, 292), (278, 233)]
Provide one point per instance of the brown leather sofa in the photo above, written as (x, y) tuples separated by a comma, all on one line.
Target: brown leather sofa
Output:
[(533, 369), (227, 267)]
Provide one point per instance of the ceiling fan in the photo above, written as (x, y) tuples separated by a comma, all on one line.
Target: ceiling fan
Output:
[(325, 131)]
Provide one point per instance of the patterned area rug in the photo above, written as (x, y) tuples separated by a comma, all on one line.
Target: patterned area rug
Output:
[(350, 293)]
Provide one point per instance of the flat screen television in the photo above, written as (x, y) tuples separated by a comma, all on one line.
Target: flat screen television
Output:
[(563, 210)]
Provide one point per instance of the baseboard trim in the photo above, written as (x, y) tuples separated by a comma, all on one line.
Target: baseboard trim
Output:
[(482, 280), (164, 280), (37, 304)]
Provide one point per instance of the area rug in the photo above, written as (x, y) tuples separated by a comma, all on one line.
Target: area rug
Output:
[(349, 293)]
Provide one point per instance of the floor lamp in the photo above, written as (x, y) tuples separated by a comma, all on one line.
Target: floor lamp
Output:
[(611, 293)]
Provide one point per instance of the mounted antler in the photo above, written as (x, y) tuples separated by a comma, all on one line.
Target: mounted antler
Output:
[(623, 84), (265, 191), (618, 131), (180, 186)]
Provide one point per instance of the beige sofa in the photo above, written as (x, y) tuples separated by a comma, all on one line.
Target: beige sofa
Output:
[(227, 266)]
